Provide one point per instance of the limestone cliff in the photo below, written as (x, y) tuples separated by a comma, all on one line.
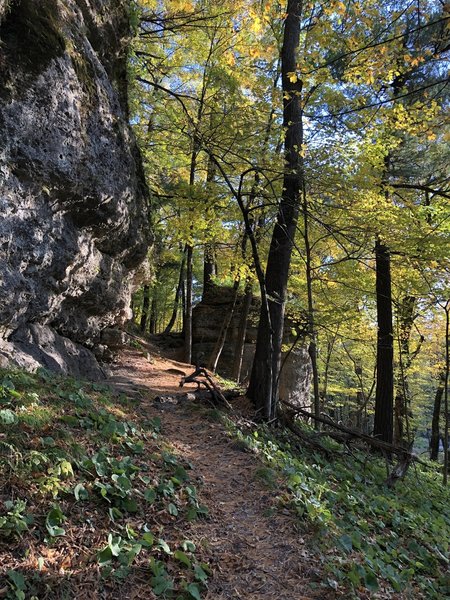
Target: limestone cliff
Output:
[(73, 214)]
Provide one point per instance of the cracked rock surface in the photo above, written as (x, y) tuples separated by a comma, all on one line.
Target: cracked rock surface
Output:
[(73, 206)]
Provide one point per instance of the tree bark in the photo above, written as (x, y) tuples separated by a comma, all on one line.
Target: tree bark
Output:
[(209, 259), (435, 429), (447, 369), (153, 314), (402, 396), (209, 268), (384, 395), (188, 307), (263, 387), (145, 307), (311, 316), (242, 332), (178, 294)]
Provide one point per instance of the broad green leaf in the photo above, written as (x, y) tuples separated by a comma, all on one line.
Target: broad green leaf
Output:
[(194, 591)]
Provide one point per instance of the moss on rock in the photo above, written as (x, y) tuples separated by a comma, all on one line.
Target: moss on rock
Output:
[(30, 37)]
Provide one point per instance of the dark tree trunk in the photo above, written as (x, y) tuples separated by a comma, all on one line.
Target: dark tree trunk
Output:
[(145, 307), (384, 395), (402, 396), (446, 378), (153, 314), (311, 316), (435, 429), (188, 308), (263, 388), (209, 257), (178, 295), (330, 346)]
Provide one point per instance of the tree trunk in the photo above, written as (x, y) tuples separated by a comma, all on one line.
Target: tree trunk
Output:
[(209, 268), (145, 307), (220, 343), (188, 308), (435, 429), (311, 317), (263, 388), (330, 346), (153, 314), (384, 395), (402, 396), (242, 332), (447, 369), (209, 258), (178, 294)]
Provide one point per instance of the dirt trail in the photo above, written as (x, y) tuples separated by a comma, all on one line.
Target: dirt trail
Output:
[(254, 555)]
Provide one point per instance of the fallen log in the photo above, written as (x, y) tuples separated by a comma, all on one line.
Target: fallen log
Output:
[(310, 440), (345, 434), (352, 433)]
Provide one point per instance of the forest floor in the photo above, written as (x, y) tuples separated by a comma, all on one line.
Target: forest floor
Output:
[(256, 549), (132, 490)]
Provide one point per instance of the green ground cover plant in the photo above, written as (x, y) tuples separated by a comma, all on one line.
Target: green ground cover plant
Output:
[(90, 495), (370, 538)]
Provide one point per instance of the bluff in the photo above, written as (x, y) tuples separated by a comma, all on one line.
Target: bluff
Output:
[(73, 202)]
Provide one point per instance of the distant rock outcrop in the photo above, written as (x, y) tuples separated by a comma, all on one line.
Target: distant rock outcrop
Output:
[(73, 209), (208, 318)]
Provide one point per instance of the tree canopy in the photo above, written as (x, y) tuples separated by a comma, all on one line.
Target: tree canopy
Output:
[(300, 151)]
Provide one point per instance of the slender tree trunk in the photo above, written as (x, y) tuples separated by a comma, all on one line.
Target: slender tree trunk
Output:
[(402, 396), (447, 369), (209, 258), (311, 317), (220, 343), (153, 314), (178, 294), (209, 268), (263, 388), (330, 346), (145, 307), (435, 423), (188, 308), (189, 261), (242, 332), (384, 395)]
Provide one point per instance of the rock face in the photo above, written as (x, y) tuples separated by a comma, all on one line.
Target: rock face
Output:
[(208, 317), (73, 224)]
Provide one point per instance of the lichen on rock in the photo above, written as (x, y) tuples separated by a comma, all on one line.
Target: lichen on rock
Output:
[(73, 201)]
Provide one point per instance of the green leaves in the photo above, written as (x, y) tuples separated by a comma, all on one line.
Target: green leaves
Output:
[(17, 583), (183, 558), (120, 549), (370, 536), (53, 522), (101, 467), (194, 591), (80, 492), (7, 417), (15, 522)]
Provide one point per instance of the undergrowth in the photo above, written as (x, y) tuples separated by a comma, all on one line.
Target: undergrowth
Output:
[(371, 539), (91, 501)]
